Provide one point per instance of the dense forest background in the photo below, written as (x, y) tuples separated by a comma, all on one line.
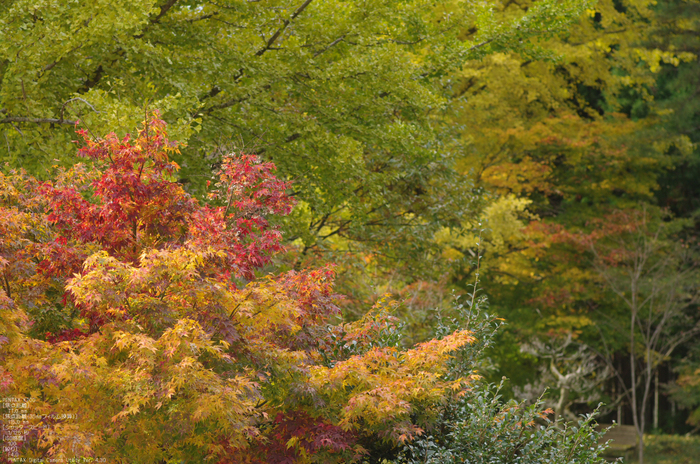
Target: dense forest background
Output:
[(541, 158)]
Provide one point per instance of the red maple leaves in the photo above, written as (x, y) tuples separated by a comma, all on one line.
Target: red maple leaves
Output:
[(133, 203), (161, 302)]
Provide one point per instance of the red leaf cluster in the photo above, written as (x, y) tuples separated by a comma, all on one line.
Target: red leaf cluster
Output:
[(134, 203)]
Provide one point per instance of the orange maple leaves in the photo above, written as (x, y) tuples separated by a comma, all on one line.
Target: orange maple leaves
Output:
[(170, 341)]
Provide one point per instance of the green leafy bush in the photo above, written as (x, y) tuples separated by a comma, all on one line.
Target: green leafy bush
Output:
[(480, 427)]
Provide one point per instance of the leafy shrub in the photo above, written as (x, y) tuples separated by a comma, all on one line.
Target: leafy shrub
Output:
[(478, 427)]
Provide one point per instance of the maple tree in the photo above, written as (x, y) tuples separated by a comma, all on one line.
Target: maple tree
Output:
[(139, 325)]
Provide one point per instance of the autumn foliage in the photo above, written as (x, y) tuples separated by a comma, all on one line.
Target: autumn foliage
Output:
[(142, 326)]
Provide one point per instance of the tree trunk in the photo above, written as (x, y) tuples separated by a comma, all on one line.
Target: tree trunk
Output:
[(561, 404), (656, 400)]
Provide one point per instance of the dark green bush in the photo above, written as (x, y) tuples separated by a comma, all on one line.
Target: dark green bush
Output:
[(480, 427)]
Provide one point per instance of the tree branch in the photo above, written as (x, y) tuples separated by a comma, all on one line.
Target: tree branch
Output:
[(203, 17), (279, 32), (63, 107), (335, 42), (163, 10), (51, 65)]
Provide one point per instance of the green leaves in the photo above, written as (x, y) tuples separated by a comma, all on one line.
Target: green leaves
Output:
[(342, 96), (484, 429)]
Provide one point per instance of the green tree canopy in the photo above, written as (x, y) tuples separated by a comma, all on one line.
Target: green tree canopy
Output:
[(341, 95)]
